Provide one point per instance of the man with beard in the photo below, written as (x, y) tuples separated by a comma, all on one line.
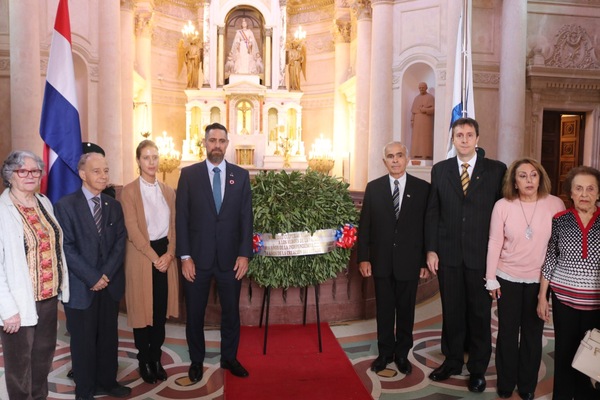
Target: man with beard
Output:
[(214, 240)]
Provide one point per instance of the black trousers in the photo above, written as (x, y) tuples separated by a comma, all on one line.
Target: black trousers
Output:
[(150, 339), (196, 299), (570, 326), (518, 361), (94, 344), (395, 301), (466, 305)]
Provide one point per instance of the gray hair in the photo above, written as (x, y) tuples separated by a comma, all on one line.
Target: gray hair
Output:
[(86, 156), (392, 143), (15, 161)]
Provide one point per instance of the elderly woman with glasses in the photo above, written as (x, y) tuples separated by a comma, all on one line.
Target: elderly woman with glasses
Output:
[(33, 277)]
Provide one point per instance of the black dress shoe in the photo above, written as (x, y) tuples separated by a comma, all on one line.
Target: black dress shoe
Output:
[(504, 394), (443, 372), (195, 372), (158, 370), (147, 373), (527, 395), (404, 366), (235, 368), (476, 383), (119, 391), (70, 374), (380, 363)]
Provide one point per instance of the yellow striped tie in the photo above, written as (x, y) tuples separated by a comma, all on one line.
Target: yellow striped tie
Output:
[(464, 177)]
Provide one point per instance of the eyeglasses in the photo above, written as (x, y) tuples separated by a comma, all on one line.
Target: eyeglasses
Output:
[(24, 173)]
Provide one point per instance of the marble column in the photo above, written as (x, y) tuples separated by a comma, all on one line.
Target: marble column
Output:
[(268, 56), (109, 88), (341, 36), (282, 44), (511, 113), (359, 152), (206, 44), (143, 63), (26, 83), (380, 113), (130, 137), (220, 55)]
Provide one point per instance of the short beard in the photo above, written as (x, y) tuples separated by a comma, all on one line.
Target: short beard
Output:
[(215, 159)]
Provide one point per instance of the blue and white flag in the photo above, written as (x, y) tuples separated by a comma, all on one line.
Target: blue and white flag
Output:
[(457, 101), (59, 126)]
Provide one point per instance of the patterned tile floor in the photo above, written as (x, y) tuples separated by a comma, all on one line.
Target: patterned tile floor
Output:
[(358, 339)]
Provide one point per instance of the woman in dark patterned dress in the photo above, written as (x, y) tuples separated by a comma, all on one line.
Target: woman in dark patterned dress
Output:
[(572, 272)]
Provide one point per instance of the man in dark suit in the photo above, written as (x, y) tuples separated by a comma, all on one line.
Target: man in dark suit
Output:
[(463, 192), (390, 248), (94, 243), (214, 240)]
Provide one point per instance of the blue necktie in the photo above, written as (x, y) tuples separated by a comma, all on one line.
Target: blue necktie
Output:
[(217, 188)]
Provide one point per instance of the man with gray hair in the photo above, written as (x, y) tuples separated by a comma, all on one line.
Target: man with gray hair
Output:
[(94, 244), (391, 250)]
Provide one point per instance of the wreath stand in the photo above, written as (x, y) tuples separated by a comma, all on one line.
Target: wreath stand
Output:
[(267, 301)]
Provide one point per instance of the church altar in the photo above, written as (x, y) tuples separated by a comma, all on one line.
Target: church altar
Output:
[(265, 125)]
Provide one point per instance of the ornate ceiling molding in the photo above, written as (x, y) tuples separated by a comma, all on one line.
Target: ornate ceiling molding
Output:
[(302, 6), (194, 4)]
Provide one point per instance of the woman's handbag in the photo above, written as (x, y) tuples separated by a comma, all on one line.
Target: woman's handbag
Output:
[(587, 358)]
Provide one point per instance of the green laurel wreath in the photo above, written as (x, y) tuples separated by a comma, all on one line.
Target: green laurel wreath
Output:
[(296, 202)]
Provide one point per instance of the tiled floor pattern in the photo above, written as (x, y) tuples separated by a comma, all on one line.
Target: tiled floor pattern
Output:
[(358, 339)]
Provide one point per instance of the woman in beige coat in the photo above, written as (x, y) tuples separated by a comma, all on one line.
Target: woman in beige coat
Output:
[(151, 290)]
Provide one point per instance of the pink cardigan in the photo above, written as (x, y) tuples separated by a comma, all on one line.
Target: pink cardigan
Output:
[(509, 251)]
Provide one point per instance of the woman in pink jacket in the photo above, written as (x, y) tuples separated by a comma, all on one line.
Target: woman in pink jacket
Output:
[(519, 232)]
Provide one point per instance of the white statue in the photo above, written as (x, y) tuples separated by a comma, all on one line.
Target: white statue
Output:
[(244, 53)]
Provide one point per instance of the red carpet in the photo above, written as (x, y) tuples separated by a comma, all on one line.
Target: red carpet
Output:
[(293, 368)]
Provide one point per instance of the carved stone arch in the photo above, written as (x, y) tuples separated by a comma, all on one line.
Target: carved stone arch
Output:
[(245, 114), (407, 75)]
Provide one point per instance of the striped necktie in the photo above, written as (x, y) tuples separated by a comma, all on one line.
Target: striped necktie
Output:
[(396, 199), (97, 214), (464, 177)]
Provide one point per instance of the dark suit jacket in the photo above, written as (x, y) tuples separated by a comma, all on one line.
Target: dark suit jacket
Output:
[(393, 247), (204, 234), (458, 226), (90, 255)]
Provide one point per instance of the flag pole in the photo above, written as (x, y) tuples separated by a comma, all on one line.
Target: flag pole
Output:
[(463, 81)]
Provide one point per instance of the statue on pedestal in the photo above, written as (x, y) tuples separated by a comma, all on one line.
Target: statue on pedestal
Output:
[(296, 60), (191, 55), (244, 57), (422, 124)]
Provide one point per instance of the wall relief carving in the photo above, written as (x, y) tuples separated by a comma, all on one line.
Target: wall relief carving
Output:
[(341, 31), (573, 49)]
